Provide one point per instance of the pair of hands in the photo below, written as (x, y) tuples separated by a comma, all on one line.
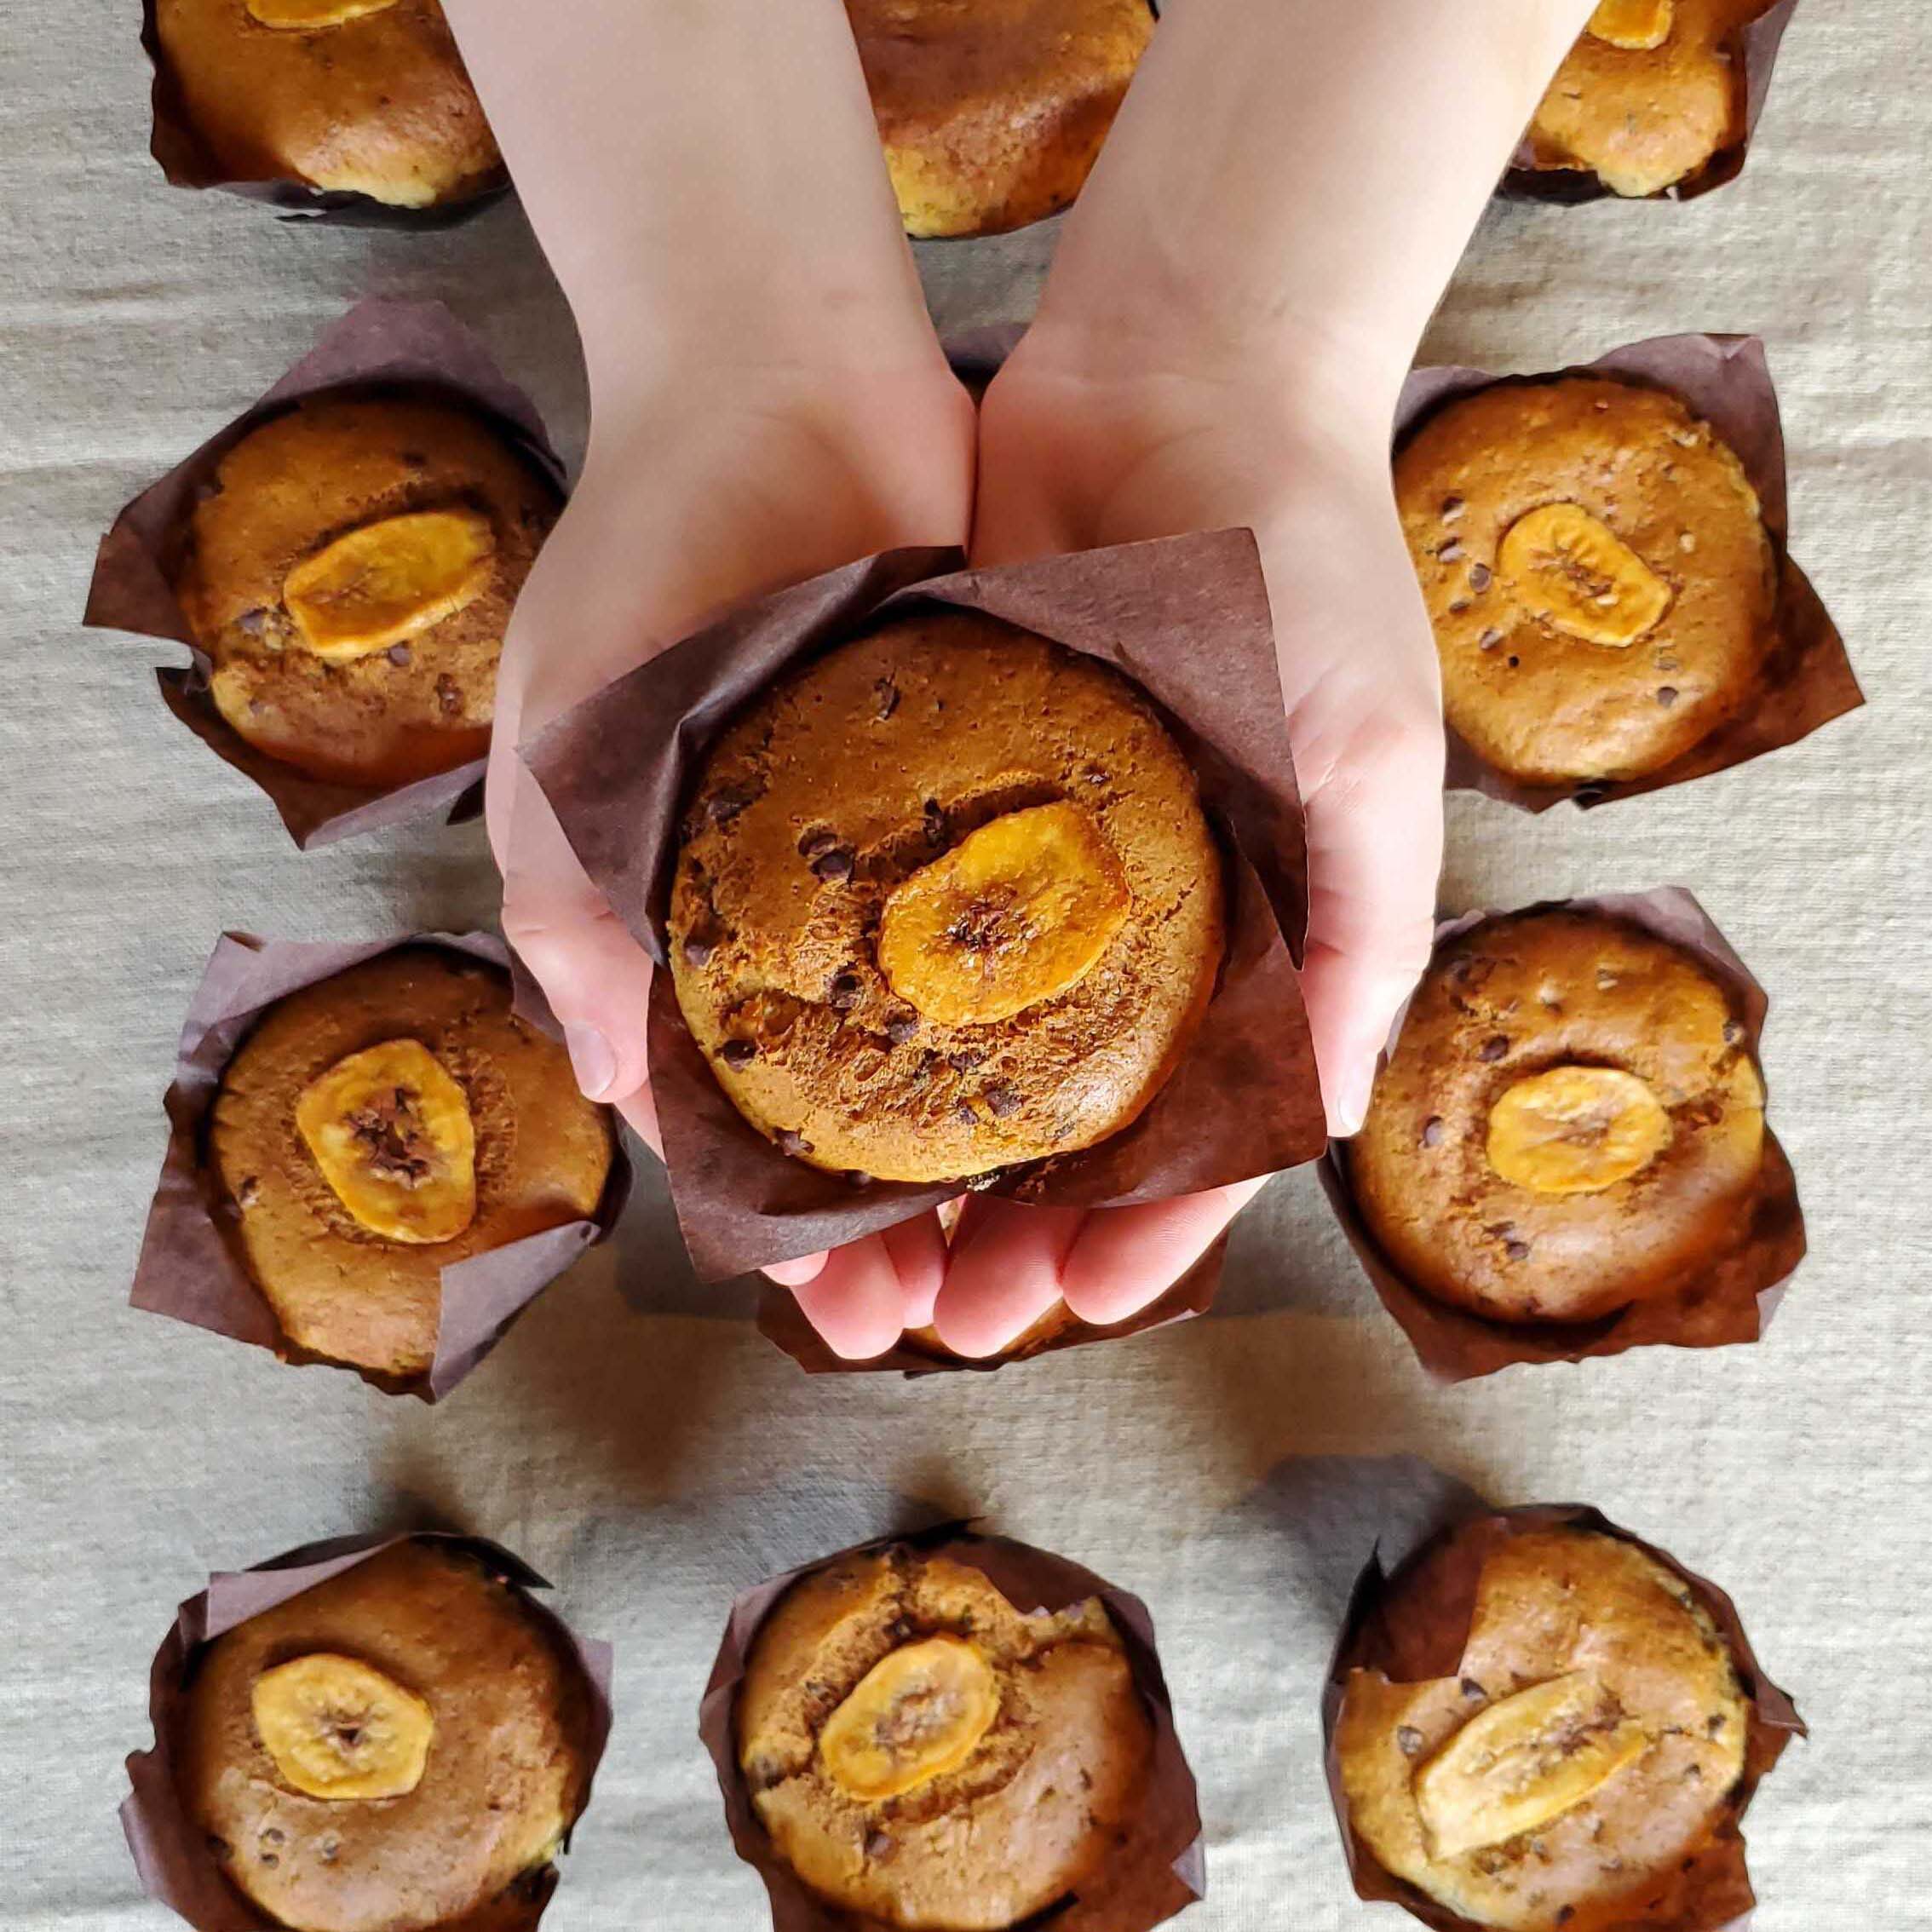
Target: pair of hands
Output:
[(691, 502)]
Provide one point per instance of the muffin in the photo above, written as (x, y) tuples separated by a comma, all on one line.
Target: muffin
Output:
[(924, 1754), (1588, 1747), (363, 97), (945, 901), (1596, 567), (991, 114), (1652, 93), (350, 574), (384, 1124), (1571, 1121), (402, 1747)]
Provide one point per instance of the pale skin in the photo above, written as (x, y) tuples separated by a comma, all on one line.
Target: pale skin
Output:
[(1237, 295)]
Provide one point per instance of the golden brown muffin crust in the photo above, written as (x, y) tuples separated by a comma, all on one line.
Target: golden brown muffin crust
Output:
[(1551, 1604), (1050, 1789), (1644, 119), (991, 112), (1502, 1003), (379, 105), (504, 1779), (286, 490), (543, 1152), (1529, 699), (869, 766)]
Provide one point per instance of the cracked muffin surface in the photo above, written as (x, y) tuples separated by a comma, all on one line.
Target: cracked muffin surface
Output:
[(359, 96), (925, 1756), (945, 901), (1587, 1745), (991, 112), (420, 1632), (1652, 92), (1597, 571), (340, 646), (382, 1125), (1571, 1121)]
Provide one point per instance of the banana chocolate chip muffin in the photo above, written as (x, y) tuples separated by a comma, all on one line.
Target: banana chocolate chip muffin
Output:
[(378, 1127), (1597, 567), (926, 1755), (1652, 93), (367, 97), (1586, 1748), (401, 1747), (947, 902), (350, 575), (1571, 1121), (993, 113)]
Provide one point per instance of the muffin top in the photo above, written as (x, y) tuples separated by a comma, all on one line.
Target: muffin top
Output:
[(946, 900), (378, 1127), (1597, 570), (991, 114), (393, 1749), (1652, 92), (359, 96), (1590, 1738), (351, 574), (1571, 1121), (925, 1756)]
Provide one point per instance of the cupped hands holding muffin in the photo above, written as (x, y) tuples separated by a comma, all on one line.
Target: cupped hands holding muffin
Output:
[(1238, 294)]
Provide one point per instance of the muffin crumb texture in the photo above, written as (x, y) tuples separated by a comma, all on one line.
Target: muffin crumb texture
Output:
[(991, 113), (402, 1747), (946, 902), (1585, 1750), (1597, 568), (925, 1756), (1651, 95), (1571, 1121)]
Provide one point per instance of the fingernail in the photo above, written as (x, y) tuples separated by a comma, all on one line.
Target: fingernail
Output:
[(797, 1274), (1351, 1103), (592, 1059)]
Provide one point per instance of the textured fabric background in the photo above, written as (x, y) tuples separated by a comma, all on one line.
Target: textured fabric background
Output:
[(634, 1439)]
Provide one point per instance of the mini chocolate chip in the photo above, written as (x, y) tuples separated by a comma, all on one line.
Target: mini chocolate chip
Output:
[(1516, 1249), (1457, 606), (857, 1177), (885, 693), (1590, 794), (726, 804), (1480, 577), (1451, 552), (965, 1109), (846, 993), (739, 1053), (815, 845), (878, 1844), (1471, 1688), (901, 1027), (274, 1834), (1408, 1740), (253, 622), (1733, 1032), (963, 1060), (330, 1849), (901, 1630), (1003, 1100), (934, 821), (447, 696), (834, 864), (791, 1141), (269, 1859), (1489, 640), (400, 656), (1666, 695), (1453, 508), (1714, 1723), (1515, 663), (249, 1192), (1432, 1131), (1493, 1048), (698, 950)]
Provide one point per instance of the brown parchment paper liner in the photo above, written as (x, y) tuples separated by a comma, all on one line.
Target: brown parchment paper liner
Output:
[(170, 1853), (186, 161), (1732, 1301), (780, 1320), (377, 344), (1186, 619), (1757, 48), (1161, 1869), (191, 1265), (1413, 1626), (1808, 678)]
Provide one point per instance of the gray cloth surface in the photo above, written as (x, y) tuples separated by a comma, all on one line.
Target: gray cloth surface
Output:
[(635, 1440)]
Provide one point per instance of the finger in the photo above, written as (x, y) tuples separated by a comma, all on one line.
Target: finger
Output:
[(855, 1301), (1375, 849), (1003, 1275), (919, 1252), (802, 1268), (1124, 1258)]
